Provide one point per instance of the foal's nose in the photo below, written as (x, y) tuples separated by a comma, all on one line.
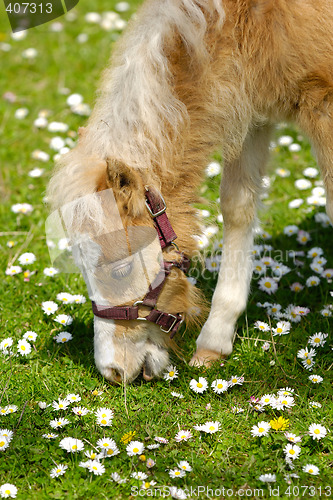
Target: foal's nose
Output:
[(147, 370), (116, 376)]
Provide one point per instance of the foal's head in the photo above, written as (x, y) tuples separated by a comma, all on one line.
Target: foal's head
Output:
[(120, 260)]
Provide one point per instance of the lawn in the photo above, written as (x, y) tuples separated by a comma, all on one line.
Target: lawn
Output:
[(264, 404)]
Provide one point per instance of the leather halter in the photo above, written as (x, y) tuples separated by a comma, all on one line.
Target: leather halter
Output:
[(169, 323)]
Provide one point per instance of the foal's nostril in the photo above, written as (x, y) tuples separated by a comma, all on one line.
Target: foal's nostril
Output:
[(116, 376), (147, 371)]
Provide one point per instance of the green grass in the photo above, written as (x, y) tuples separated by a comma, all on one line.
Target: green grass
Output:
[(230, 458)]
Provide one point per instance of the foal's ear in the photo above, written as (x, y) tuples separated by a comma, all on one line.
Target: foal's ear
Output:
[(128, 187)]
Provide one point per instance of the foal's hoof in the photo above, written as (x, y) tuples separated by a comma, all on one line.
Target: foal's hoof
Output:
[(205, 357)]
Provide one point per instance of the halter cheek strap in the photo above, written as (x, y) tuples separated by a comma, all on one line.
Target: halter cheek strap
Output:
[(169, 323)]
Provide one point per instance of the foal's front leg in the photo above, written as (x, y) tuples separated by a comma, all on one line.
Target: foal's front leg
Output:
[(240, 188)]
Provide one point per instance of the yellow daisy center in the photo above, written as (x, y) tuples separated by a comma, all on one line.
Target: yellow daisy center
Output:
[(279, 330), (171, 374), (23, 347), (292, 452), (199, 384), (261, 429), (110, 452), (135, 450), (58, 470), (177, 473), (74, 447), (211, 428), (317, 431), (317, 340), (2, 443), (311, 471), (219, 386), (103, 421), (268, 284)]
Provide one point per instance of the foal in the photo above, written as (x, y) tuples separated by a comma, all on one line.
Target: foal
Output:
[(189, 77)]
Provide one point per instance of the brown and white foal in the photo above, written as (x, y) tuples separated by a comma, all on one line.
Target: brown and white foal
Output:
[(187, 78)]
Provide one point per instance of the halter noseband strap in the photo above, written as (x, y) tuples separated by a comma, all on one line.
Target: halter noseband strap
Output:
[(169, 323)]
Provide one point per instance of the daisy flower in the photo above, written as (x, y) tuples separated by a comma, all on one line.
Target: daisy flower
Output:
[(50, 271), (11, 409), (317, 431), (59, 423), (134, 448), (212, 263), (8, 490), (282, 402), (27, 258), (267, 478), (199, 386), (176, 473), (139, 475), (286, 391), (219, 386), (296, 287), (209, 427), (184, 465), (183, 436), (213, 169), (7, 433), (311, 469), (261, 429), (5, 344), (49, 307), (96, 467), (266, 399), (22, 208), (292, 437), (104, 413), (282, 328), (65, 297), (73, 398), (61, 404), (59, 470), (50, 435), (237, 409), (30, 336), (314, 404), (12, 270), (236, 381), (63, 337), (162, 440), (80, 411), (116, 478), (153, 446), (148, 484), (23, 347), (318, 339), (92, 455), (177, 395), (108, 447), (327, 313), (36, 172), (150, 462), (71, 445), (268, 285), (306, 353), (171, 373), (261, 325), (292, 451), (64, 319), (308, 363), (303, 237), (316, 379), (78, 299), (4, 443), (312, 281)]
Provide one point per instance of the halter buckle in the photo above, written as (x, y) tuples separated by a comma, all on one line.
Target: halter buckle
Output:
[(172, 324), (160, 212)]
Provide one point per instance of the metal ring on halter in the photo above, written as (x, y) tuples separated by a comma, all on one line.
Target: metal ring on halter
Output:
[(136, 304)]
